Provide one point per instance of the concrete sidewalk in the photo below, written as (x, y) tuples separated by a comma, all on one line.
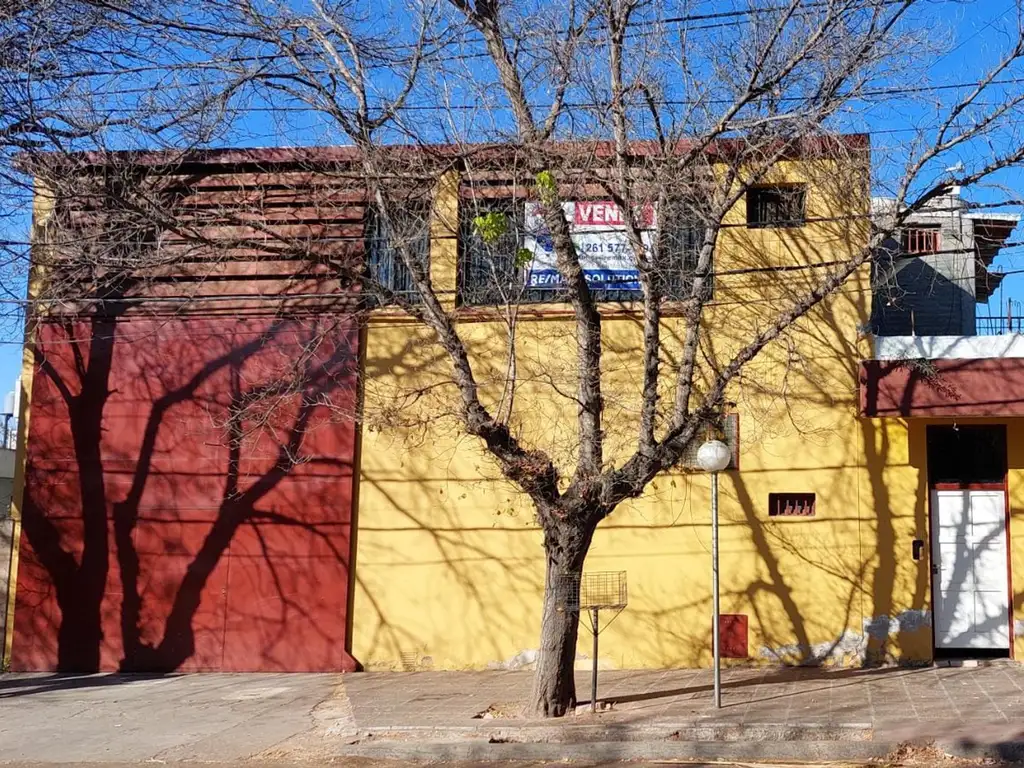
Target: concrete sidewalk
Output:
[(784, 714), (132, 718), (781, 713)]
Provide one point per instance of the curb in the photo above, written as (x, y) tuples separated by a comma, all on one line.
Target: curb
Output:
[(623, 750), (625, 732)]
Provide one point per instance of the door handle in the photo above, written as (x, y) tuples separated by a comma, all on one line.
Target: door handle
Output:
[(935, 569)]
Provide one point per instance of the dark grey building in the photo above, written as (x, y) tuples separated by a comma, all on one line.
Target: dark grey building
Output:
[(930, 279)]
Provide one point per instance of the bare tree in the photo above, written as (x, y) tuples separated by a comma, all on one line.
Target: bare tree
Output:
[(86, 75), (80, 79), (636, 102)]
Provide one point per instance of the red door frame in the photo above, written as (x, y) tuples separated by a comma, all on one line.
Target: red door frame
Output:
[(1004, 487)]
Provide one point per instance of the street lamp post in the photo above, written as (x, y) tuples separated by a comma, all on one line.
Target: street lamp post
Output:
[(713, 457)]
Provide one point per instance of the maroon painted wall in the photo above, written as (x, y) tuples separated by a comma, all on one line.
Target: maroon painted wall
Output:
[(902, 388), (162, 533)]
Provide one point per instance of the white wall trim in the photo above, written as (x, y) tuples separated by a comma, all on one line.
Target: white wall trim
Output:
[(948, 347)]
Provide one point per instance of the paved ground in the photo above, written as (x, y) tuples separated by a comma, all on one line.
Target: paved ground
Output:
[(277, 717), (114, 718), (889, 699), (361, 762)]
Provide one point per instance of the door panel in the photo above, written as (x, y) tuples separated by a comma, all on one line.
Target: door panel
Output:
[(972, 605), (990, 571)]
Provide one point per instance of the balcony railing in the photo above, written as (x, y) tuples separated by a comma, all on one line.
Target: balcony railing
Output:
[(8, 432), (997, 326)]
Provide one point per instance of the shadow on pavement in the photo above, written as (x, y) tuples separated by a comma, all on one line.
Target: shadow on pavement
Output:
[(12, 686), (781, 676)]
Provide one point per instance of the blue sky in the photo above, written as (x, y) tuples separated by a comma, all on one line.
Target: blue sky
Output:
[(973, 33)]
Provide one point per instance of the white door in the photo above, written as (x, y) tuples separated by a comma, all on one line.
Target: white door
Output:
[(969, 569)]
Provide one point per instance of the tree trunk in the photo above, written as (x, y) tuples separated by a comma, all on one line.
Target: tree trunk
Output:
[(554, 684)]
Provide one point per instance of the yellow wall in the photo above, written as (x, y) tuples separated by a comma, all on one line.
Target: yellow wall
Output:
[(42, 209), (449, 567)]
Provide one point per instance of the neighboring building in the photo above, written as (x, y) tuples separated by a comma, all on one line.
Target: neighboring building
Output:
[(162, 526), (405, 549), (6, 531), (7, 460), (929, 280)]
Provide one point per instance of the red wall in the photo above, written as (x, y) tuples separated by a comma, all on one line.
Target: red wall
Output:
[(934, 388), (160, 532)]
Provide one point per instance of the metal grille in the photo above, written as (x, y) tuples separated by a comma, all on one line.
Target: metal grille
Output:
[(776, 206), (587, 591), (384, 264), (996, 326), (728, 432), (920, 240), (410, 661), (681, 244), (488, 275), (791, 505)]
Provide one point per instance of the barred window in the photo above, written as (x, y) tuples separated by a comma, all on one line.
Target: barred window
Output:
[(920, 241), (780, 205), (791, 505), (386, 268), (487, 272), (682, 239), (494, 273)]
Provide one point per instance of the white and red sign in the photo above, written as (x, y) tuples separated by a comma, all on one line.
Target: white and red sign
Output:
[(599, 231), (605, 213)]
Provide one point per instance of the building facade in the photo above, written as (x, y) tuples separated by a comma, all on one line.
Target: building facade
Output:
[(160, 522), (846, 531), (930, 280)]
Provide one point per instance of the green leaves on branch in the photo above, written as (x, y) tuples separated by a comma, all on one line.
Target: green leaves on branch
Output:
[(547, 189), (490, 226)]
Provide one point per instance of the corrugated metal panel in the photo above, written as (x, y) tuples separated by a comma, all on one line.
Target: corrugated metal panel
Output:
[(309, 224)]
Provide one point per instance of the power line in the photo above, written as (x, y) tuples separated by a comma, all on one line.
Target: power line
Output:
[(736, 20), (228, 220), (865, 95), (551, 308), (348, 297)]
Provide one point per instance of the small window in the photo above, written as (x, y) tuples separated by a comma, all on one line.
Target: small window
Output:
[(389, 275), (776, 206), (791, 505), (920, 240), (966, 455)]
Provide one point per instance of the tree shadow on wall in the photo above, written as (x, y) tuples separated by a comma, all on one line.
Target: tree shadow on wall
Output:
[(839, 588), (188, 494), (864, 559)]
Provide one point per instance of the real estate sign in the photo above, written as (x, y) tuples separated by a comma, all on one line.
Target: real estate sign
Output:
[(599, 232)]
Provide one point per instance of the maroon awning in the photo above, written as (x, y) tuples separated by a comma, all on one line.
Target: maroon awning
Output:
[(985, 387)]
